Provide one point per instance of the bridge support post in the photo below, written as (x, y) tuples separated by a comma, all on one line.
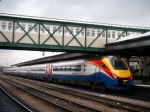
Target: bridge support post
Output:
[(145, 78), (140, 67)]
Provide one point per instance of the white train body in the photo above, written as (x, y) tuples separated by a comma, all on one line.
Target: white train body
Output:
[(82, 72)]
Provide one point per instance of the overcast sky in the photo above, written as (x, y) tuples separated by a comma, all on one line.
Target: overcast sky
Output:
[(124, 12)]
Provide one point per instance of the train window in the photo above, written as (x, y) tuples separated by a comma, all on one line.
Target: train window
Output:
[(33, 69), (72, 68), (67, 68), (63, 68), (36, 69), (77, 67), (14, 70), (55, 68), (42, 69), (39, 69), (59, 68), (20, 69)]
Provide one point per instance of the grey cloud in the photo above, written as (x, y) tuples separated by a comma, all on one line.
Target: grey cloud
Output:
[(131, 12)]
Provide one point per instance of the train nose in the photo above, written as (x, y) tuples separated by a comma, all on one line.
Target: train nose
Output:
[(123, 82), (124, 73)]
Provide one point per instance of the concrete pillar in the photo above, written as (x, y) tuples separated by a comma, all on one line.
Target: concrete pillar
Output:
[(145, 70)]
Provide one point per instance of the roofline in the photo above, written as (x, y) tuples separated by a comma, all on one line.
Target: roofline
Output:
[(72, 21), (130, 40)]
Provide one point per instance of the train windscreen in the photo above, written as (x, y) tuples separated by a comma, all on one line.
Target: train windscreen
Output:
[(118, 64)]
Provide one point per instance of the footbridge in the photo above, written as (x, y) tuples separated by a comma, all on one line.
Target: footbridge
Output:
[(45, 34)]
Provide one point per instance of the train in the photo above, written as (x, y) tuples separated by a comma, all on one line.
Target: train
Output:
[(105, 72)]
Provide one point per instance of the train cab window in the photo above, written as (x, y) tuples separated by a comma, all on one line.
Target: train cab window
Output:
[(117, 63)]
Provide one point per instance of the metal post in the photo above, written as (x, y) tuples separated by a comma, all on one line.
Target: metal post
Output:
[(140, 66), (145, 70), (106, 36), (63, 35), (7, 62), (85, 36)]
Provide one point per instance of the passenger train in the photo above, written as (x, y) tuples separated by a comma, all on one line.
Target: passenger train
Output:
[(108, 72)]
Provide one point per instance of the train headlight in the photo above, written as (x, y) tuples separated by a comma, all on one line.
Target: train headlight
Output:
[(115, 76)]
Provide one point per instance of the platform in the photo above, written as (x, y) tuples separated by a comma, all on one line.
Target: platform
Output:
[(141, 84)]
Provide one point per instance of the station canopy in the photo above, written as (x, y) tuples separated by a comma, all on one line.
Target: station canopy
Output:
[(134, 36)]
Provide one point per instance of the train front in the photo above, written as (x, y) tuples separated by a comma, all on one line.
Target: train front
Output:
[(120, 77)]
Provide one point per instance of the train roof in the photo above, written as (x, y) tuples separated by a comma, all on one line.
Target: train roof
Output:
[(101, 57), (69, 62)]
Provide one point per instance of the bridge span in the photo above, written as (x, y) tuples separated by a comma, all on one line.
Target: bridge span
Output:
[(45, 34)]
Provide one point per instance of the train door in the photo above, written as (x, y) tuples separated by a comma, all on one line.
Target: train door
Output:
[(46, 77), (28, 71), (46, 70), (97, 74), (51, 71)]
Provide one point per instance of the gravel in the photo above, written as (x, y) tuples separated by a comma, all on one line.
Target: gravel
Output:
[(34, 103), (40, 106)]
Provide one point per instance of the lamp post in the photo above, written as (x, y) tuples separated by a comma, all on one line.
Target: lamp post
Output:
[(7, 62)]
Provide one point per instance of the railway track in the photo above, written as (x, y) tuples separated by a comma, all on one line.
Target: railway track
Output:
[(57, 101), (9, 104), (132, 95), (109, 102)]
